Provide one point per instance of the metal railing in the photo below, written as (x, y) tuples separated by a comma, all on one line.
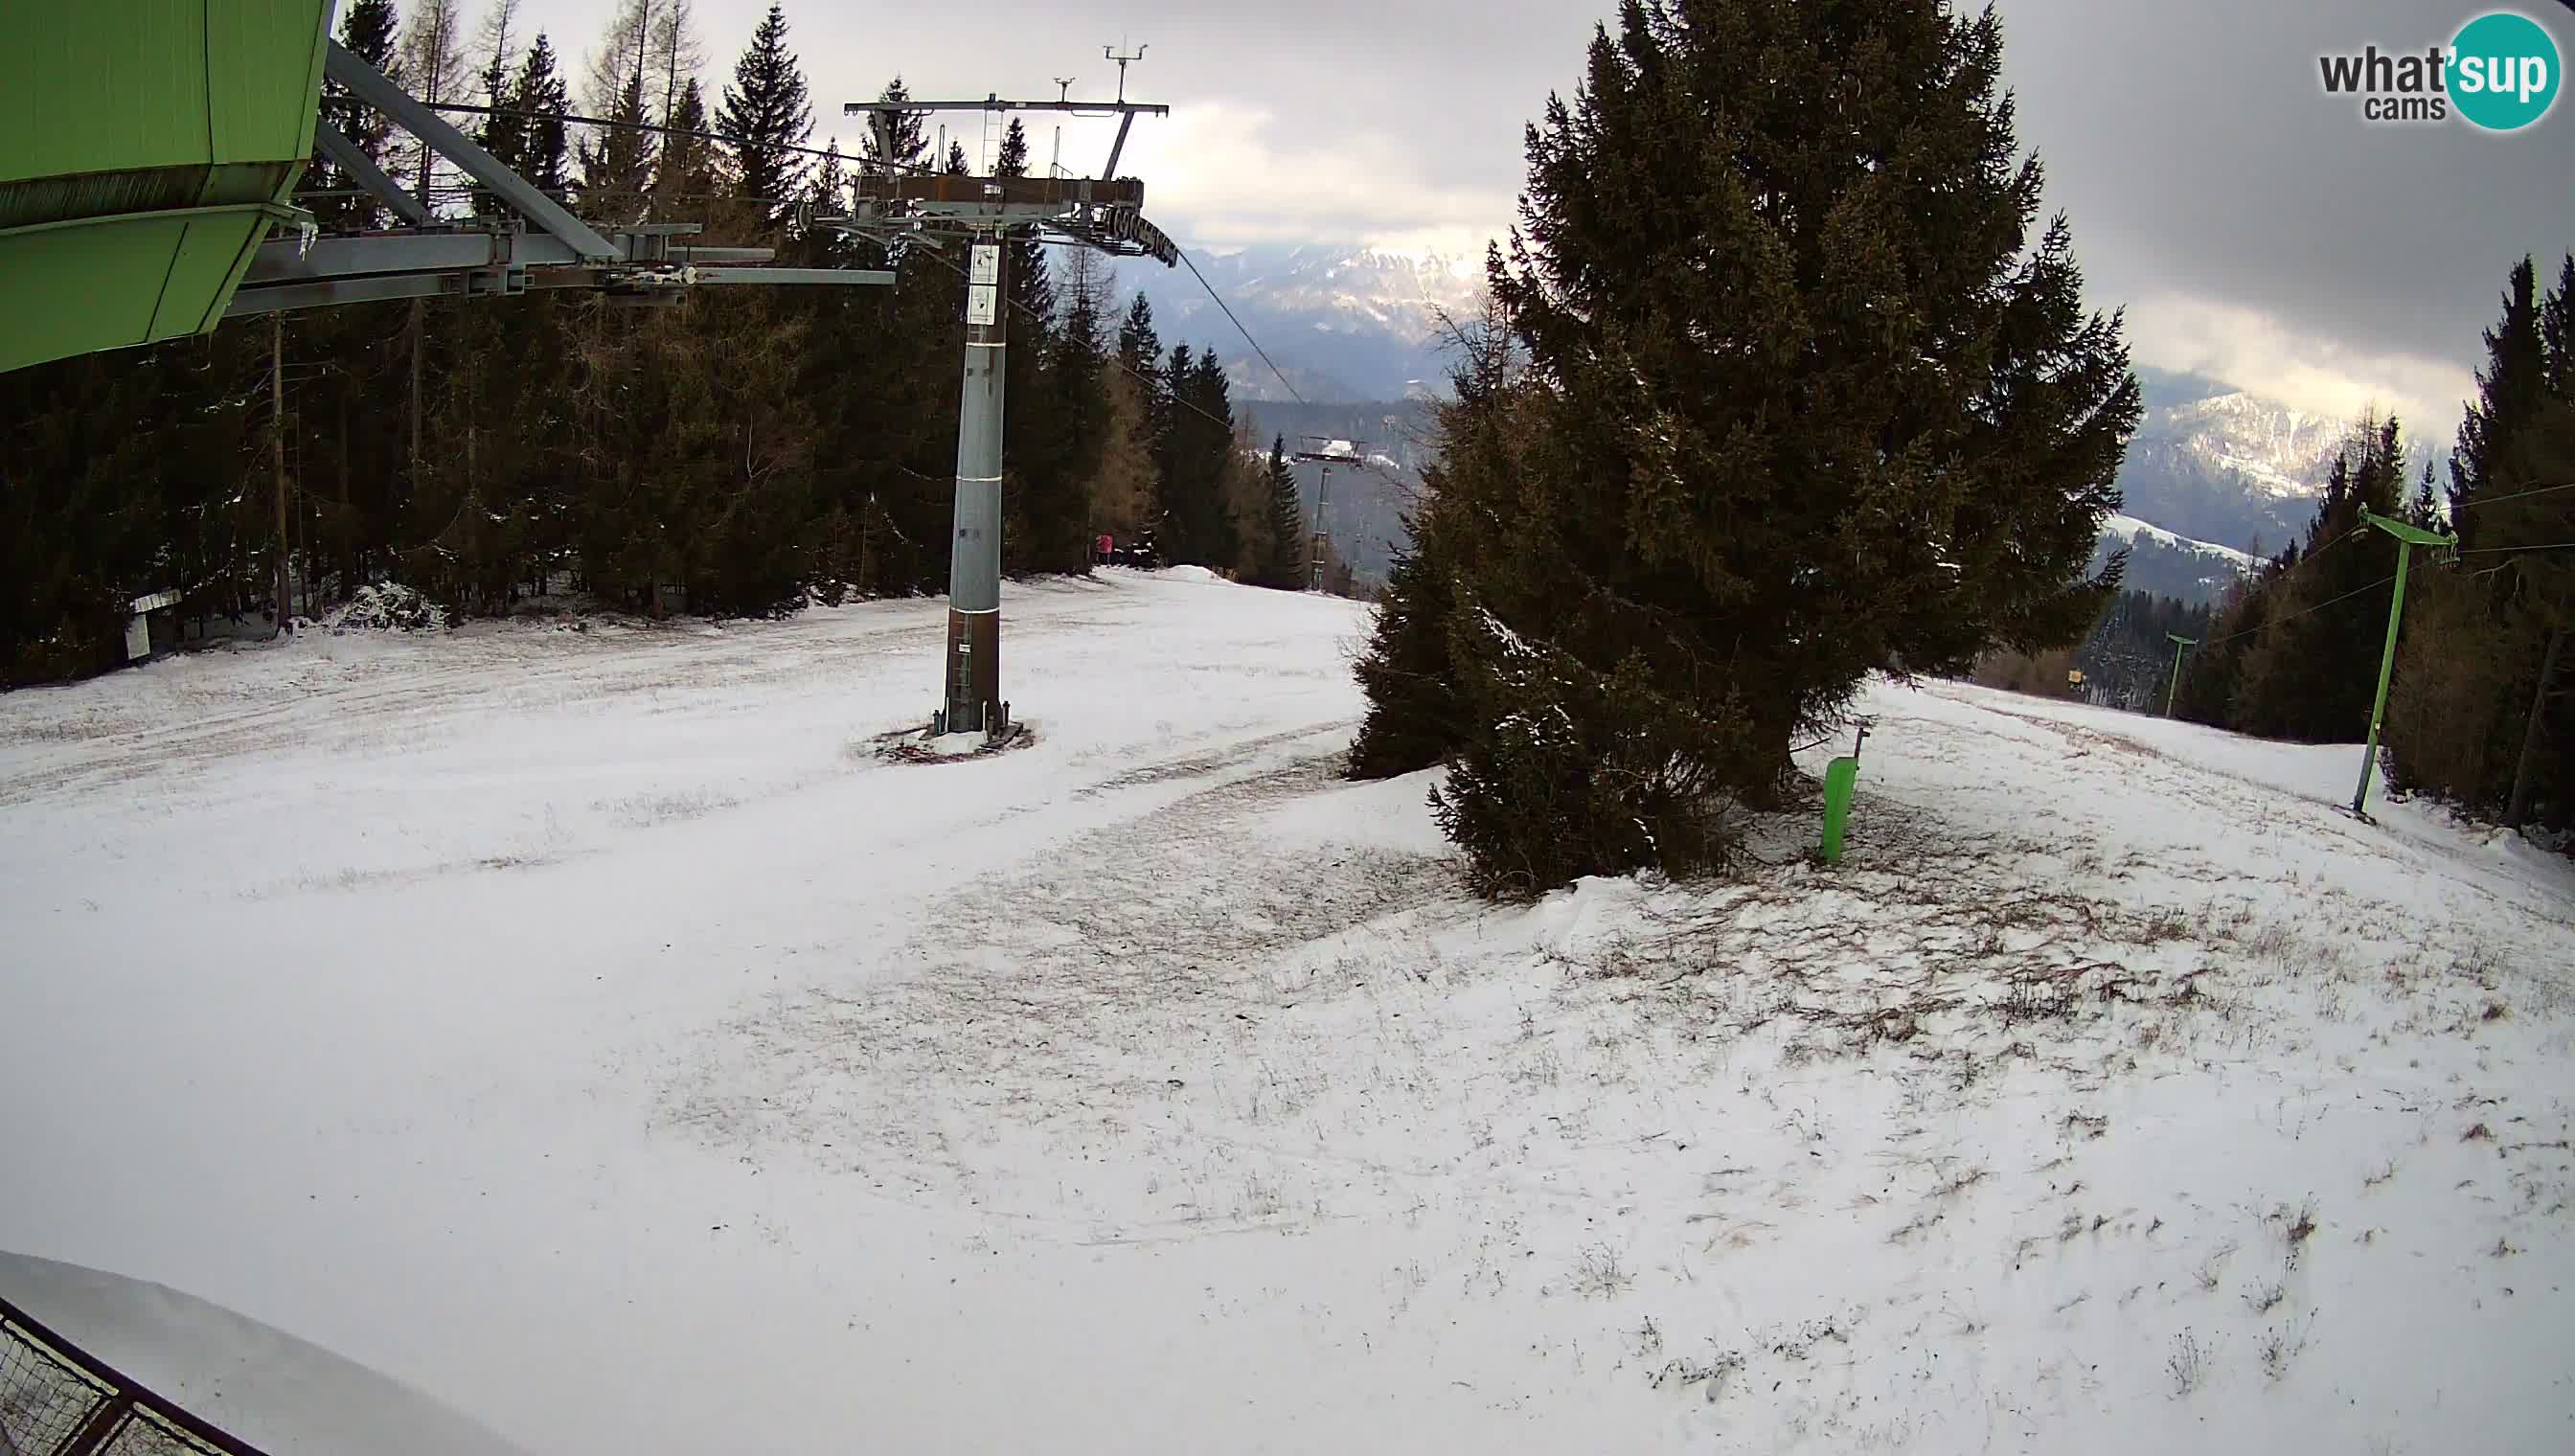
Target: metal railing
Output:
[(57, 1399)]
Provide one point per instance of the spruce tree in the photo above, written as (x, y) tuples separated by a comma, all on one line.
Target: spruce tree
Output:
[(1139, 362), (617, 169), (1249, 496), (687, 171), (1045, 426), (1414, 715), (2312, 673), (766, 113), (501, 130), (2127, 661), (2213, 669), (1810, 402), (367, 29), (1196, 442), (829, 187), (1140, 349), (1031, 286), (2557, 332), (1286, 568), (827, 195), (542, 155), (1077, 400), (2509, 389), (1123, 491), (906, 128), (498, 133), (2425, 511), (2540, 609), (1211, 394), (2483, 650), (1173, 473)]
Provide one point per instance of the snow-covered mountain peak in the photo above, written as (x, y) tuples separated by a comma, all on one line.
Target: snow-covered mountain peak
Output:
[(1349, 319), (2276, 450)]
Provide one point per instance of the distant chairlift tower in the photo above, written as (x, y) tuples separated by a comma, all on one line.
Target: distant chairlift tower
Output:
[(1320, 450), (1104, 213)]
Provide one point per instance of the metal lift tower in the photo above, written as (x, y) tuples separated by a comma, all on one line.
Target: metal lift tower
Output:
[(1328, 453), (1106, 213)]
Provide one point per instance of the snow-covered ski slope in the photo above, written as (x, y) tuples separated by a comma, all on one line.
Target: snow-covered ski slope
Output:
[(590, 1031)]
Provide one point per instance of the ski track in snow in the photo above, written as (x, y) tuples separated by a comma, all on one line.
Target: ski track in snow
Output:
[(589, 1029)]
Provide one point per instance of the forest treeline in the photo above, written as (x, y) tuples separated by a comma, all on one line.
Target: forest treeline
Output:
[(744, 451), (2480, 708), (2480, 711)]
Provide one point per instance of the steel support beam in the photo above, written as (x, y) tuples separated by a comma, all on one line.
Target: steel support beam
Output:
[(251, 300), (1060, 193), (1117, 147), (996, 103), (361, 169), (701, 273), (354, 255), (373, 87), (293, 292)]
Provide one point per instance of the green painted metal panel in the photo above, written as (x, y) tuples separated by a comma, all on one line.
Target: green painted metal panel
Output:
[(1841, 776), (267, 58), (60, 281), (60, 62), (146, 146), (213, 249), (133, 279)]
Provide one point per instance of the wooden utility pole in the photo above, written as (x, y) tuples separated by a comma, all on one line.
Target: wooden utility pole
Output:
[(277, 451)]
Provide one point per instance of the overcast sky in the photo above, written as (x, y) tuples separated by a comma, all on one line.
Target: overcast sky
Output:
[(2254, 229)]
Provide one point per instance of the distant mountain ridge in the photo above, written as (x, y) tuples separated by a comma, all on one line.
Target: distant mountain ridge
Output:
[(2168, 564), (2228, 467), (2215, 476), (1346, 322), (2135, 532)]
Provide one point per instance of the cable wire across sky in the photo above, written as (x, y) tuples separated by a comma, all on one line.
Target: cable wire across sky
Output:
[(861, 159)]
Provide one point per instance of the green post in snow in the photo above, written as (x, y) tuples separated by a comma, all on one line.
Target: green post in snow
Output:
[(2407, 537), (2175, 691), (1841, 777)]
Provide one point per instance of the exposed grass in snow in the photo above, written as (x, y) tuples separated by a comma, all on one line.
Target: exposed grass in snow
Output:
[(593, 1029)]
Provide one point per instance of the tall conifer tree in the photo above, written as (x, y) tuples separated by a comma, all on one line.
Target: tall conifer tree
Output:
[(1806, 398), (766, 113)]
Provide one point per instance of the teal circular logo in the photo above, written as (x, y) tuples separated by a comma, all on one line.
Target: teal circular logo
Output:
[(2503, 71)]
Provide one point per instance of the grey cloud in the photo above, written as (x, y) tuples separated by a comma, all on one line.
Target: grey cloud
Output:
[(2192, 146), (2189, 140)]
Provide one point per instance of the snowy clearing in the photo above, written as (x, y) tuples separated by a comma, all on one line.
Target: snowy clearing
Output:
[(591, 1030)]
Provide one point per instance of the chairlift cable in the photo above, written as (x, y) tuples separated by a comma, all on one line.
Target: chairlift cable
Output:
[(1237, 324)]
